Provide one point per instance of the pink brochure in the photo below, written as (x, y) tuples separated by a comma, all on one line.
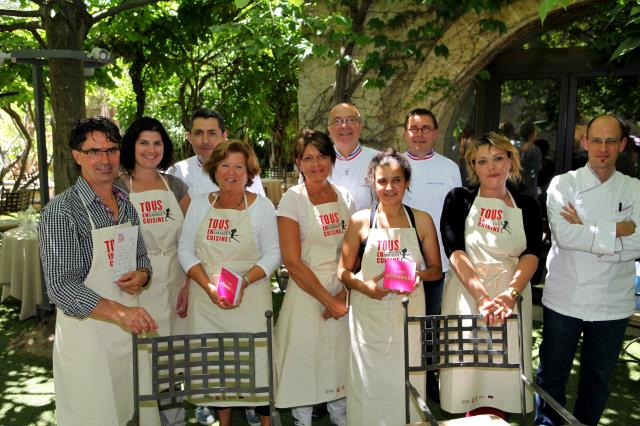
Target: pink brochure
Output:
[(229, 284), (399, 275)]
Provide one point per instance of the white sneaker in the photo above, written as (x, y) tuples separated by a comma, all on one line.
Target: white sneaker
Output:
[(204, 415), (252, 418)]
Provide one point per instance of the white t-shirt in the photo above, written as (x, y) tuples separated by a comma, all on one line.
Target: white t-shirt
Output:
[(263, 221), (431, 180), (294, 205), (199, 182), (351, 173)]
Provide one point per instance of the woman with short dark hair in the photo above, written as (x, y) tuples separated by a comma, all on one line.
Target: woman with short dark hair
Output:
[(312, 336)]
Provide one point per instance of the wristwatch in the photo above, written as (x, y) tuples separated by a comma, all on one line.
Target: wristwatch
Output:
[(514, 292)]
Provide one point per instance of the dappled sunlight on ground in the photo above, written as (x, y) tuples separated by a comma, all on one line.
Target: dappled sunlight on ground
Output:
[(27, 395)]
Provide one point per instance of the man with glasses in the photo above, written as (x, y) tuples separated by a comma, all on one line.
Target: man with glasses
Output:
[(207, 130), (588, 292), (352, 158), (432, 177), (82, 233)]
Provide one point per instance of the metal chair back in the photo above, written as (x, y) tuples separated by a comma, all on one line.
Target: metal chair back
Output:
[(204, 365), (466, 341)]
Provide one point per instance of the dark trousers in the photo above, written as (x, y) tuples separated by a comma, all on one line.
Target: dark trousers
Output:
[(433, 295), (433, 302), (601, 343)]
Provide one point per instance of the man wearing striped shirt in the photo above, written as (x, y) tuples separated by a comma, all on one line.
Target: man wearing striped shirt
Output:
[(352, 158), (96, 311), (432, 177)]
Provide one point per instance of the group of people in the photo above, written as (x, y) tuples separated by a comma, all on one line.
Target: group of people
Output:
[(338, 339)]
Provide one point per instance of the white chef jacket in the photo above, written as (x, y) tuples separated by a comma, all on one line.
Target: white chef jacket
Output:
[(590, 271), (199, 182), (351, 172), (431, 180)]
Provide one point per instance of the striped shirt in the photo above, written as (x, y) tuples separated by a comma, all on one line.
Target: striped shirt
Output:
[(66, 248)]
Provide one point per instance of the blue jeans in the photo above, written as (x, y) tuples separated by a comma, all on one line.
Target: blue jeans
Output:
[(601, 343)]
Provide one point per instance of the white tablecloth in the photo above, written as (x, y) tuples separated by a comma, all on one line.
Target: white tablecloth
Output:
[(20, 270)]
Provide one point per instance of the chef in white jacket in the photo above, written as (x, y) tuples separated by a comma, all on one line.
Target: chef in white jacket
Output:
[(207, 130), (588, 292)]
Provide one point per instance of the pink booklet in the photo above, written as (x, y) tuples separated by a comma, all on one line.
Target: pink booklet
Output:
[(399, 275), (229, 284)]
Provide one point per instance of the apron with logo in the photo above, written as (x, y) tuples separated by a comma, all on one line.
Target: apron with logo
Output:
[(92, 362), (312, 354), (160, 222), (375, 386), (494, 241), (225, 238)]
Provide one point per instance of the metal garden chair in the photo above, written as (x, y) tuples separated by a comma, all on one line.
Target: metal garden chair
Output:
[(467, 341), (204, 365)]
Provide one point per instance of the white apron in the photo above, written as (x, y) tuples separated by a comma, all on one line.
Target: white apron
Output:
[(494, 241), (375, 386), (92, 362), (160, 222), (311, 353), (225, 238)]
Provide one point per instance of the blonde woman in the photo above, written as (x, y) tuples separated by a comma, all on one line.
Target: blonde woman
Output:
[(492, 237)]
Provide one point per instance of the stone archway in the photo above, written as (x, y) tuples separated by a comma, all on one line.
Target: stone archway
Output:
[(470, 50)]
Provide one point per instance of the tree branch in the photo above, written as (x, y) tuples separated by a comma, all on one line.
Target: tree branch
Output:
[(133, 4), (40, 40), (20, 13), (28, 26)]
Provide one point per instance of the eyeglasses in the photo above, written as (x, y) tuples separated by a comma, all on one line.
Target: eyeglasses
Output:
[(425, 130), (97, 153), (309, 159), (607, 142), (348, 121)]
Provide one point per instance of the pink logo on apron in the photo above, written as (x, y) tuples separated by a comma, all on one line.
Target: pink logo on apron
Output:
[(390, 249), (154, 211), (491, 219), (218, 229), (332, 224), (109, 245)]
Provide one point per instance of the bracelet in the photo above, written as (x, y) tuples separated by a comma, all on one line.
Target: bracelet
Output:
[(245, 278), (480, 299)]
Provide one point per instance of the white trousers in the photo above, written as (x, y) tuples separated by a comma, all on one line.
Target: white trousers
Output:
[(337, 413)]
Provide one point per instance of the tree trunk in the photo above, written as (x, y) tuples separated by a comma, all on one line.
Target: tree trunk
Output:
[(66, 29), (137, 81)]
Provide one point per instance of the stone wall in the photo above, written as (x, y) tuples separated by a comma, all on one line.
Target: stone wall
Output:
[(470, 50)]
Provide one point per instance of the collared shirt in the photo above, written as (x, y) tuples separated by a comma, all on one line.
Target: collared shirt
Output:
[(590, 270), (66, 247)]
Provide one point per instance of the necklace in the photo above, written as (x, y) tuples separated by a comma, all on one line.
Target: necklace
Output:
[(232, 208)]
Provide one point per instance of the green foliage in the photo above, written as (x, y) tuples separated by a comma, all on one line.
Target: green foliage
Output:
[(240, 59), (547, 5), (374, 46), (618, 30)]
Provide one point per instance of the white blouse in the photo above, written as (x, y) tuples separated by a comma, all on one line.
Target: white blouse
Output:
[(263, 221)]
